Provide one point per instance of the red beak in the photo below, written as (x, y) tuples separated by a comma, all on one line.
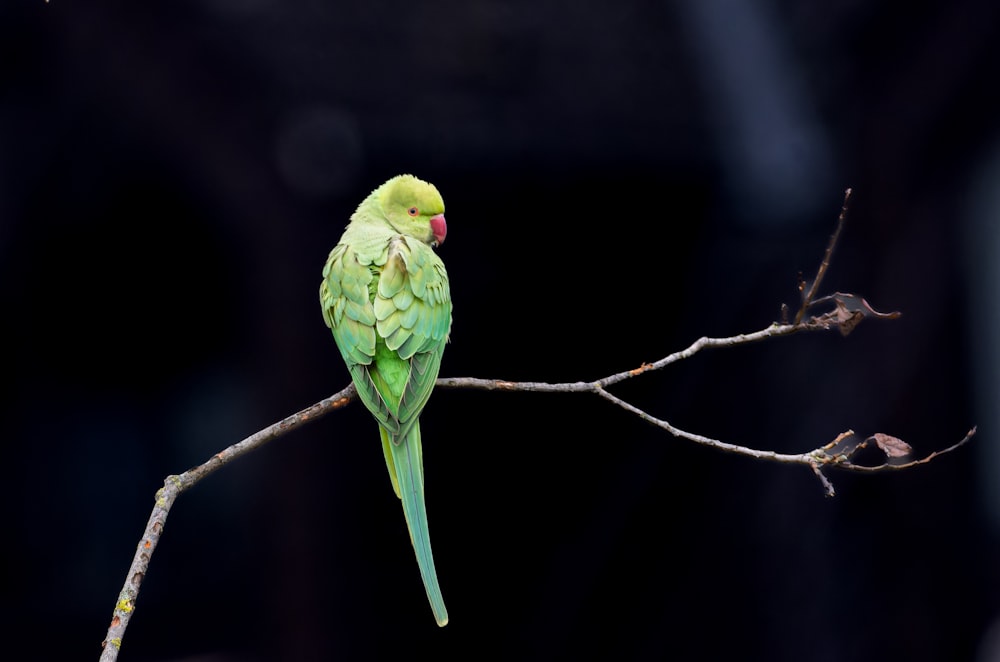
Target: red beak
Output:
[(439, 228)]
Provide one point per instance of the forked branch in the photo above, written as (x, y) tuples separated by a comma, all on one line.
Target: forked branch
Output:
[(841, 311)]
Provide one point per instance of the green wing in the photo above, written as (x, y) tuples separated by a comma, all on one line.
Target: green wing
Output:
[(345, 296), (412, 306), (390, 316)]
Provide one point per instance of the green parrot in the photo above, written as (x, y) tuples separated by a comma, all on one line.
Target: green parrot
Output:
[(385, 296)]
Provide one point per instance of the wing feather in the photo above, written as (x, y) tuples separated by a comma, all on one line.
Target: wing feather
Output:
[(390, 314), (419, 323)]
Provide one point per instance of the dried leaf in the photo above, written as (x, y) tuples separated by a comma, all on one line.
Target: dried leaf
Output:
[(891, 446), (847, 319), (848, 311), (855, 303)]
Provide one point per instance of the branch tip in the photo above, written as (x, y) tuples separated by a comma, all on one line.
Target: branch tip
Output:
[(828, 490), (825, 264)]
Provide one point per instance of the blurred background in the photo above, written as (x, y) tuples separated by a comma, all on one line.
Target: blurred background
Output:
[(620, 179)]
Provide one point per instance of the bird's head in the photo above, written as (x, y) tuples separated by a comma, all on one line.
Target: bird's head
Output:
[(415, 208)]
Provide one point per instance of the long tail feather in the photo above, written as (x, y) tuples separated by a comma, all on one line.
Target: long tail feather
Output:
[(405, 460)]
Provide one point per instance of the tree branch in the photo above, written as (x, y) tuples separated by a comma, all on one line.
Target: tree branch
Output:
[(172, 488), (845, 312)]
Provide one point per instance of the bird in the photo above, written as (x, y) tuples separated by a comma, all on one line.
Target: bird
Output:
[(386, 298)]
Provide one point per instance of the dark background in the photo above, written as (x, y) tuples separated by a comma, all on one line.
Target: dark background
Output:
[(620, 179)]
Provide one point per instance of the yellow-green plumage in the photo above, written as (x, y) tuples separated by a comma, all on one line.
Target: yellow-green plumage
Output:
[(385, 296)]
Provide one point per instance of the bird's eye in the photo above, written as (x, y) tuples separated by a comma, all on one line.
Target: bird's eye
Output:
[(412, 211)]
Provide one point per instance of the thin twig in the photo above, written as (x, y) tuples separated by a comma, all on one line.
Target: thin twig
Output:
[(862, 468), (825, 264), (772, 331)]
